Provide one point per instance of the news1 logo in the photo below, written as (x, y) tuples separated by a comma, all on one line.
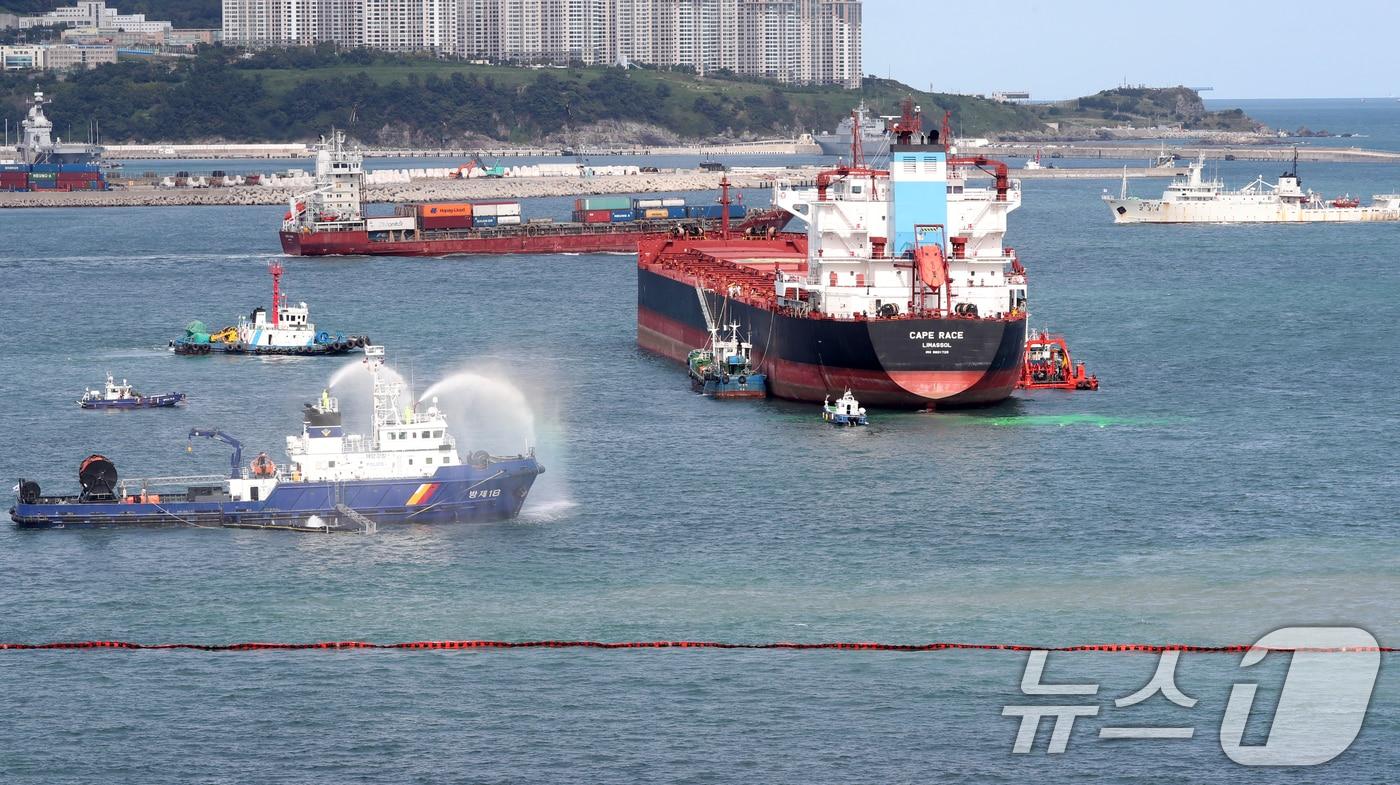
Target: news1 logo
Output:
[(1320, 709)]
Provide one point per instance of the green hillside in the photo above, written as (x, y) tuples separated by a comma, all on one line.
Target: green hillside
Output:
[(294, 95)]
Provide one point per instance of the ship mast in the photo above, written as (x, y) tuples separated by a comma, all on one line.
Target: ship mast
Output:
[(275, 267), (385, 393)]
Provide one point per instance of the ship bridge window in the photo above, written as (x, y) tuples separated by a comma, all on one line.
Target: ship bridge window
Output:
[(855, 189), (437, 434), (429, 459), (427, 434)]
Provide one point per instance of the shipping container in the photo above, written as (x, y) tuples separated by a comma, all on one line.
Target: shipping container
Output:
[(449, 222), (603, 203), (507, 220), (485, 221), (508, 209), (396, 224), (595, 216), (445, 209), (646, 203), (673, 202), (675, 212), (621, 216), (53, 168), (656, 212), (14, 168), (77, 167)]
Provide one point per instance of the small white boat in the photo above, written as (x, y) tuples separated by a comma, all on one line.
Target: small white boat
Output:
[(845, 411)]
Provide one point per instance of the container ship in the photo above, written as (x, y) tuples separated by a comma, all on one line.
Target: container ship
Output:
[(1191, 198), (901, 289), (406, 470), (330, 220), (44, 163)]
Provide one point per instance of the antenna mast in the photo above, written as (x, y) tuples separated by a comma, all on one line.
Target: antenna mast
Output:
[(275, 267)]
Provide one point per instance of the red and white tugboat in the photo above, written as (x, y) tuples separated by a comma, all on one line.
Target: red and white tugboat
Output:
[(287, 330)]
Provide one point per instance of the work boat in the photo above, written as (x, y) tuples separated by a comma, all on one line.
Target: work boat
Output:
[(123, 396), (901, 289), (1191, 198), (407, 470), (723, 369), (285, 330)]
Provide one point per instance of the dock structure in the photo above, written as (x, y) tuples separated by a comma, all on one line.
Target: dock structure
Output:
[(1281, 153)]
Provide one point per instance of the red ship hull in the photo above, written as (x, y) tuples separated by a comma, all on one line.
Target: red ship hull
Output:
[(358, 244)]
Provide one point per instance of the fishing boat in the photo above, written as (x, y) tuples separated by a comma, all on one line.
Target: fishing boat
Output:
[(286, 330), (724, 368), (122, 396), (406, 470), (845, 411)]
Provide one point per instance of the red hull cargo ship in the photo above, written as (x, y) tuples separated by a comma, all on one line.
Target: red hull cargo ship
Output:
[(330, 220), (901, 291)]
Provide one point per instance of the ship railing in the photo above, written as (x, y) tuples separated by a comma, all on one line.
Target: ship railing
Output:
[(141, 484)]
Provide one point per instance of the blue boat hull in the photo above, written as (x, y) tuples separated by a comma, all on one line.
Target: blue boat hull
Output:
[(452, 494), (752, 386), (144, 402), (181, 346)]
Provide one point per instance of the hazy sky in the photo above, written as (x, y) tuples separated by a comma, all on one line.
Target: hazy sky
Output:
[(1242, 48)]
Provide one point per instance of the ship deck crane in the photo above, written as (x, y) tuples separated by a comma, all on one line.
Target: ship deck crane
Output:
[(235, 460)]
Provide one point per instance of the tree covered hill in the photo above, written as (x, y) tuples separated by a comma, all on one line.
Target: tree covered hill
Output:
[(297, 94)]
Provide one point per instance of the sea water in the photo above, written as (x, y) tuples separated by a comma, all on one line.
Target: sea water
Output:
[(1236, 473)]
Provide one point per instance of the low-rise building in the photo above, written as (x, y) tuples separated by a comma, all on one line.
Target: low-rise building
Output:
[(57, 57)]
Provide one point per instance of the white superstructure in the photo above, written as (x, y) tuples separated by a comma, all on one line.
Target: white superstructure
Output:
[(402, 443), (335, 203), (1192, 198), (871, 255)]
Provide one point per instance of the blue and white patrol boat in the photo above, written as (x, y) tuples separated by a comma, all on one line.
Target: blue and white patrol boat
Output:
[(407, 470), (122, 396), (286, 330), (845, 411)]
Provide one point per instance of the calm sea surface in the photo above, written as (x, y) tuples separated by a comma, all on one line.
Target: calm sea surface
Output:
[(1236, 473)]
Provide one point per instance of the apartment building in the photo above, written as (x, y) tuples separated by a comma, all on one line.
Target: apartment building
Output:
[(797, 41)]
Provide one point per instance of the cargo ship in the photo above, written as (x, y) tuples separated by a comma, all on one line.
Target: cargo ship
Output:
[(901, 290), (330, 220), (406, 470), (45, 163), (1191, 198)]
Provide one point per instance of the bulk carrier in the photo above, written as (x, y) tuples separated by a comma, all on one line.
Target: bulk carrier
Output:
[(330, 220), (901, 290)]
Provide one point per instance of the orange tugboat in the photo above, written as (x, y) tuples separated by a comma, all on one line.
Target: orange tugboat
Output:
[(1048, 366)]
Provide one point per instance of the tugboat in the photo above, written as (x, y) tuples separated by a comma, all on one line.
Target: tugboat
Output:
[(846, 411), (288, 330), (725, 369), (1048, 366), (121, 396), (406, 470)]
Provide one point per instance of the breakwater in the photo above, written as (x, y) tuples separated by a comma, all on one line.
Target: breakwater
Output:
[(436, 190)]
